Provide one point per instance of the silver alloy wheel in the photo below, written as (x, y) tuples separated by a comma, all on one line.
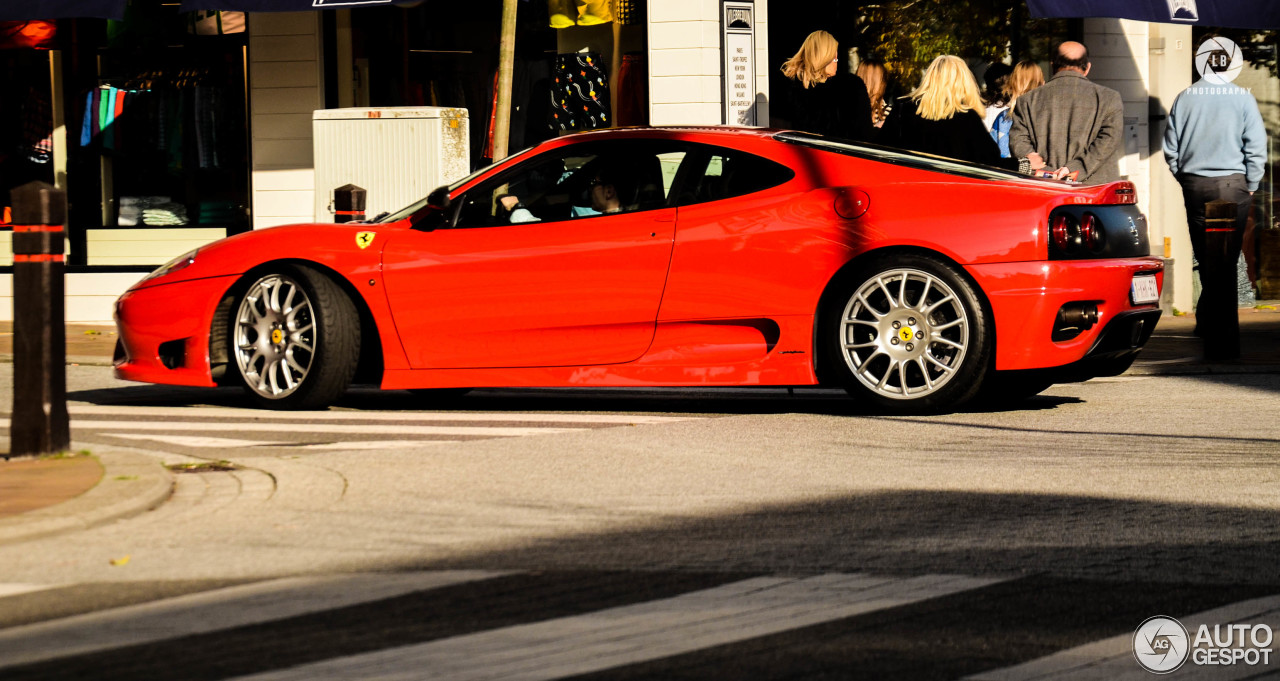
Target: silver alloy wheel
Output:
[(275, 336), (904, 333)]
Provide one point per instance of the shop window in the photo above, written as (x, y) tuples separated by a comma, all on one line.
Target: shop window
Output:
[(26, 124), (447, 55), (157, 134)]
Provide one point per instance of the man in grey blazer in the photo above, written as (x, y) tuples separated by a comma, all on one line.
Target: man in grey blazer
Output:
[(1070, 125)]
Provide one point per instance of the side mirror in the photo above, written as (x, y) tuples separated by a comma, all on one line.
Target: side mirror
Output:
[(438, 198)]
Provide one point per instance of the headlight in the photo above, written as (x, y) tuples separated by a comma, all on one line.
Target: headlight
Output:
[(181, 262)]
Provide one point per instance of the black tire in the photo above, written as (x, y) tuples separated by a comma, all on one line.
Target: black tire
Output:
[(922, 349), (293, 355)]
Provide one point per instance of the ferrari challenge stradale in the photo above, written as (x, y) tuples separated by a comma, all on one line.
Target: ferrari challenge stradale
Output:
[(672, 257)]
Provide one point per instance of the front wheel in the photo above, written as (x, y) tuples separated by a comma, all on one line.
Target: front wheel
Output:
[(910, 334), (295, 339)]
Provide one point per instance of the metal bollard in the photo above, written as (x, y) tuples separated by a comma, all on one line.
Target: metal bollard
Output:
[(348, 203), (39, 422)]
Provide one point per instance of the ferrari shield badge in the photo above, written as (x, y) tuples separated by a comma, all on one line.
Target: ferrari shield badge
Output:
[(363, 239)]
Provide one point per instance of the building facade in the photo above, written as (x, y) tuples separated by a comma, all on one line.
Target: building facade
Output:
[(210, 131)]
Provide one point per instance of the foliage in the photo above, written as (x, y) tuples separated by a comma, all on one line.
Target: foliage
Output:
[(908, 34)]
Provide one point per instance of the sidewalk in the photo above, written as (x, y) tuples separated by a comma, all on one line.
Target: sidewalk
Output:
[(48, 496)]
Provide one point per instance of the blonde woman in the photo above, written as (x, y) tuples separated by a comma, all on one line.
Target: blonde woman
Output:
[(943, 116), (872, 74), (1026, 76), (823, 99)]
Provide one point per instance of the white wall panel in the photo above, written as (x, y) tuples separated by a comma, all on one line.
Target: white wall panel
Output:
[(285, 80)]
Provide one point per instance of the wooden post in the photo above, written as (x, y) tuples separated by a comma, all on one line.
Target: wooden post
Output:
[(39, 422), (506, 72)]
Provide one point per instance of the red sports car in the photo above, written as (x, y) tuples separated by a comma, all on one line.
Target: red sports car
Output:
[(672, 257)]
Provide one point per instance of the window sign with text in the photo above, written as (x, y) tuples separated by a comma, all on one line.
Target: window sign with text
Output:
[(739, 47)]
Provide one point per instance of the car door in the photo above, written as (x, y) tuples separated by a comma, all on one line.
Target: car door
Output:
[(531, 274)]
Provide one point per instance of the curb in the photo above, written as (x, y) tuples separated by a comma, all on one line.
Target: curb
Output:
[(131, 483), (82, 360)]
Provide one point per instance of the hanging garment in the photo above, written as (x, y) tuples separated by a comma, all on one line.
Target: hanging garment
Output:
[(580, 93), (562, 13), (109, 118), (37, 126), (566, 13), (628, 12), (633, 91), (593, 12)]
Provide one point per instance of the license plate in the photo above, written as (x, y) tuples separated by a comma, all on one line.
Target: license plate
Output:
[(1144, 290)]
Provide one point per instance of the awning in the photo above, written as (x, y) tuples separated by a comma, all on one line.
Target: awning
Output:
[(1259, 14), (281, 5), (23, 10)]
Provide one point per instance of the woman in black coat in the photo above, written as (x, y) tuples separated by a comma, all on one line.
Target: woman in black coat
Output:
[(944, 117), (823, 100)]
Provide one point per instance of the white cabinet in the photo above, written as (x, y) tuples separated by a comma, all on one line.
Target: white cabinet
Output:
[(397, 154)]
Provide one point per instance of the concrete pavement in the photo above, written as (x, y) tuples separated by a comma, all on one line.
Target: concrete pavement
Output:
[(41, 499)]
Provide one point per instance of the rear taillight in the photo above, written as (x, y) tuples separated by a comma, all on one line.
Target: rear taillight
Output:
[(1064, 232), (1091, 232)]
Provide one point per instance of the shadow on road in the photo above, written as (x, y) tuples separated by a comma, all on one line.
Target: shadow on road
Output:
[(663, 400), (916, 532)]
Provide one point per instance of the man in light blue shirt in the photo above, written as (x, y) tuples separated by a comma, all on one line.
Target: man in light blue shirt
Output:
[(1216, 145)]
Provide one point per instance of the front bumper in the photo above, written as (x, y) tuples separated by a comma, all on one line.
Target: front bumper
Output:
[(1026, 297), (156, 324)]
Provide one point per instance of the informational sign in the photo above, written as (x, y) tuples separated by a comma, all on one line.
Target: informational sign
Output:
[(737, 21)]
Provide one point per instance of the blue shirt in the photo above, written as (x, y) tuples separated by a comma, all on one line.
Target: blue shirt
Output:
[(1216, 130)]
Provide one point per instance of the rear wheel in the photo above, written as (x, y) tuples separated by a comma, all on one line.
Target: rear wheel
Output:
[(295, 340), (910, 334)]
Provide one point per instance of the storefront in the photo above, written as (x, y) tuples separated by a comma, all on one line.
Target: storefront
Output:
[(169, 129), (143, 123)]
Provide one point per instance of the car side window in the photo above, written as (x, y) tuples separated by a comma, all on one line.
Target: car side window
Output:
[(729, 173), (578, 181)]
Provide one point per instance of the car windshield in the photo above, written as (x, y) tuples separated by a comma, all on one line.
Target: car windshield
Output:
[(453, 186), (900, 157)]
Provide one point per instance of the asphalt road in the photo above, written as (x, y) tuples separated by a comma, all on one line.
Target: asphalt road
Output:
[(992, 539)]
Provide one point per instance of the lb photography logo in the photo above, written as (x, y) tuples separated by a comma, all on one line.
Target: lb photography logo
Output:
[(1218, 60), (1161, 645)]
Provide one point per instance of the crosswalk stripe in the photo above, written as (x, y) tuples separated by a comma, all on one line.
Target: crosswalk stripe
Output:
[(630, 634), (1112, 658), (211, 611), (227, 443), (404, 416), (197, 442), (13, 589), (338, 428), (375, 445)]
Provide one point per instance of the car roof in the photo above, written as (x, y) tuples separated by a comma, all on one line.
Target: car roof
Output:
[(681, 130)]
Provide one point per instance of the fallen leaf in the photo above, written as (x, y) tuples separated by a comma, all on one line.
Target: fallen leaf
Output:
[(120, 561)]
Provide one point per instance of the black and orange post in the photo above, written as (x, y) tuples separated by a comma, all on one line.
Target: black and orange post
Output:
[(348, 203), (39, 422)]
